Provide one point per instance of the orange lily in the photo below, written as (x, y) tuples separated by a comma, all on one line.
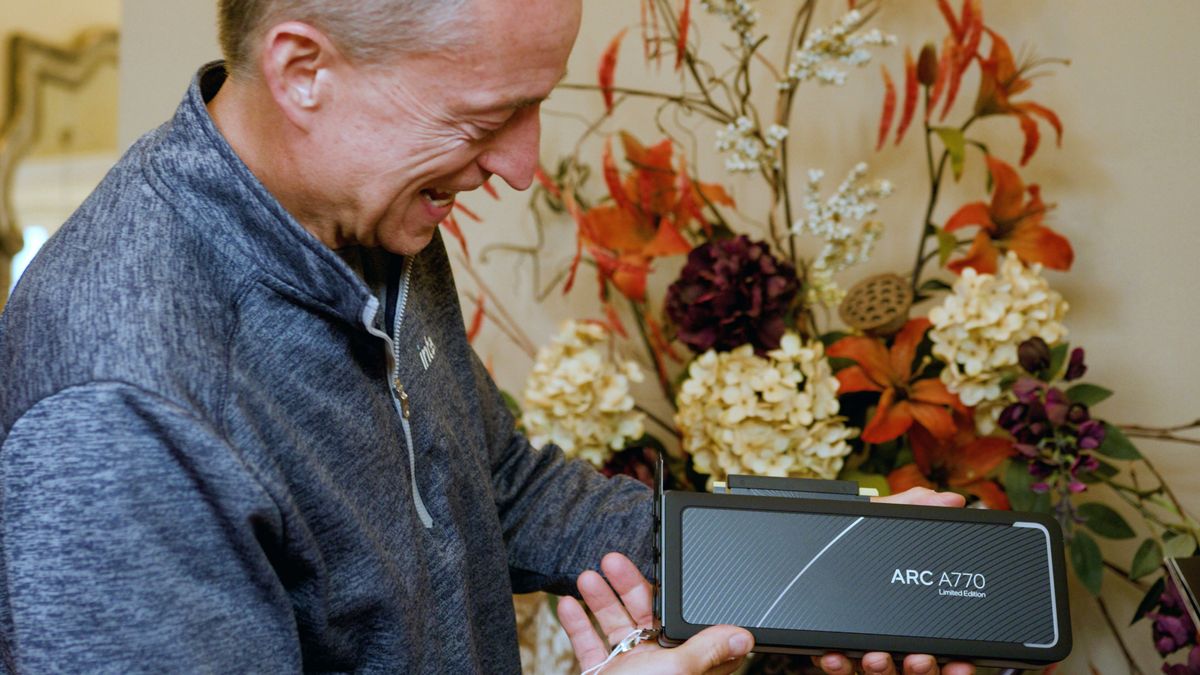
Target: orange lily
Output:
[(1009, 224), (959, 48), (651, 207), (1000, 80), (961, 462), (904, 401)]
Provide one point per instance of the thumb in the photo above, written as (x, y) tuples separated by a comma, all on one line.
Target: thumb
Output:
[(712, 647)]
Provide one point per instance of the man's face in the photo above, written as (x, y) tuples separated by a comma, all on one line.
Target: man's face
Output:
[(401, 140)]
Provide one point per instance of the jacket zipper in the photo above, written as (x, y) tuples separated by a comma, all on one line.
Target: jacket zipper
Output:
[(399, 396)]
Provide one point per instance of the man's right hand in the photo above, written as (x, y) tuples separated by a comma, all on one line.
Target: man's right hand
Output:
[(717, 650)]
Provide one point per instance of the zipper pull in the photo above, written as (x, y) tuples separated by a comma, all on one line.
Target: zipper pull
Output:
[(402, 395)]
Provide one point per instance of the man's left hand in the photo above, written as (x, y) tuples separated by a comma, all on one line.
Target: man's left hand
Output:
[(880, 663)]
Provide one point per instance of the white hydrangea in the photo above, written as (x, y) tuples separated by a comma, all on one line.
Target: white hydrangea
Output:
[(843, 222), (977, 329), (739, 13), (837, 44), (747, 149), (774, 416), (578, 398)]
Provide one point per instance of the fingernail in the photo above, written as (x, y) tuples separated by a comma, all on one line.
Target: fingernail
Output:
[(876, 665), (831, 662), (922, 665), (739, 643)]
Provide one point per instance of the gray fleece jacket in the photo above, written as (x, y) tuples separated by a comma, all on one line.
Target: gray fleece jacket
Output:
[(221, 452)]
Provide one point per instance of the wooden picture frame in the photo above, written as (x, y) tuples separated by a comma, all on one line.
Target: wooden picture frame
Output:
[(32, 63)]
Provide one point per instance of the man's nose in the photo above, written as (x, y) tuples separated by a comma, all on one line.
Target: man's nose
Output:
[(513, 153)]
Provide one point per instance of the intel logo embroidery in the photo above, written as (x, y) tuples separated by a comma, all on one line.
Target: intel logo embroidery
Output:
[(427, 352)]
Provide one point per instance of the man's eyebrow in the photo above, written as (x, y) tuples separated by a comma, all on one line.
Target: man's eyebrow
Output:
[(527, 101)]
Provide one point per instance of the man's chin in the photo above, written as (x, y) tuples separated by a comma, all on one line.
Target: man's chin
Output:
[(408, 242)]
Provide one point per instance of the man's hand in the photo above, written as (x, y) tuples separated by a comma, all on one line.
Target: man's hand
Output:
[(717, 650), (880, 663)]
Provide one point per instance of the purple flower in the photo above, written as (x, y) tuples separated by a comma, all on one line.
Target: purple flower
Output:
[(1034, 355), (1078, 414), (731, 293), (1172, 633), (1091, 435), (1173, 628), (1192, 667), (1085, 464), (635, 462), (1076, 368), (1027, 389), (1057, 406)]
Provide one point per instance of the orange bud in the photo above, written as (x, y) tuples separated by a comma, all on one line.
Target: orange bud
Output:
[(927, 65)]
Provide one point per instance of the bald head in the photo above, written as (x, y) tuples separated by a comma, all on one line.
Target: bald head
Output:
[(366, 31)]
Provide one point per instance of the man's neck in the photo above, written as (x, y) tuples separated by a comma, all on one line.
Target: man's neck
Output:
[(265, 140)]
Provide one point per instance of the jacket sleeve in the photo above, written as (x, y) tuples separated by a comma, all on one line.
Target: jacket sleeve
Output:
[(130, 543), (560, 516)]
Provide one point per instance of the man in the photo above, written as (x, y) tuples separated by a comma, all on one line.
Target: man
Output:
[(242, 428)]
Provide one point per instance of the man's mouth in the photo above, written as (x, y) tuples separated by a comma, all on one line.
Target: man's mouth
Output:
[(437, 198)]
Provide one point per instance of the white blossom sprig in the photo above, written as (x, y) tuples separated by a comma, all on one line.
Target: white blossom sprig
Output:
[(747, 149), (825, 48), (740, 14), (844, 223)]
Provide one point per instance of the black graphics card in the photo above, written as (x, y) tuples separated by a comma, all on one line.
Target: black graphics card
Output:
[(810, 567)]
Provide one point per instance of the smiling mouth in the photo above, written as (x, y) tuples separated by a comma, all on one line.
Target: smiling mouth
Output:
[(437, 198)]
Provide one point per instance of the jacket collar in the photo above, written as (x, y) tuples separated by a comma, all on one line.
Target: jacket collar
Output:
[(190, 157)]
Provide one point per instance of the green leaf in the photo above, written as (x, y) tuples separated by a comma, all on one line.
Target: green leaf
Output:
[(956, 146), (1117, 445), (1087, 562), (1041, 502), (1149, 600), (1148, 558), (837, 363), (1007, 380), (1104, 521), (511, 404), (833, 336), (946, 246), (1021, 496), (935, 285), (1177, 545), (1087, 394), (1058, 357), (1016, 483), (1104, 470)]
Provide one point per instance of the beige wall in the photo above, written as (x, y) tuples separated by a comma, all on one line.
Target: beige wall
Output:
[(1124, 182), (163, 43)]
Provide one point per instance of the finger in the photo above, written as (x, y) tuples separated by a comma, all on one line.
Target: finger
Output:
[(920, 664), (958, 668), (924, 496), (727, 668), (588, 646), (878, 663), (713, 647), (834, 664), (636, 593), (605, 606)]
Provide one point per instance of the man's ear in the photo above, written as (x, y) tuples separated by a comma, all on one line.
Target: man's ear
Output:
[(296, 62)]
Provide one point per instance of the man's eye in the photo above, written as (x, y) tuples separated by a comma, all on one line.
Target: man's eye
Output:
[(481, 132)]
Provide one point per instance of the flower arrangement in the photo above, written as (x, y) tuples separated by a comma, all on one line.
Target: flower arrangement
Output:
[(958, 378)]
